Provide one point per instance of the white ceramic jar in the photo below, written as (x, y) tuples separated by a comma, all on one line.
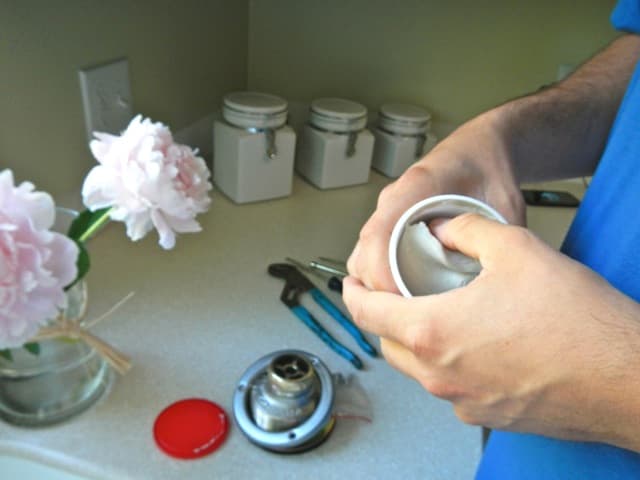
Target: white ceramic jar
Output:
[(253, 148), (336, 147), (402, 137)]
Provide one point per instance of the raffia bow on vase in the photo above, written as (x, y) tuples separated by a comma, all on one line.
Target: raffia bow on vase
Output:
[(77, 329)]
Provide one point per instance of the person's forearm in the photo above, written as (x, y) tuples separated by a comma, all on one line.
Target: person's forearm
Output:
[(618, 393), (561, 131)]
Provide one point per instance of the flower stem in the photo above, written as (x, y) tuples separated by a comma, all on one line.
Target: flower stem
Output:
[(95, 226)]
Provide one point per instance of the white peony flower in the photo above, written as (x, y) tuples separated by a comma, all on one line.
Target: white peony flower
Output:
[(148, 181), (35, 263)]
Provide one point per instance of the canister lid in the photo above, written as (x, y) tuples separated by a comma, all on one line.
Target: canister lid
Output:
[(254, 110), (403, 119), (338, 115)]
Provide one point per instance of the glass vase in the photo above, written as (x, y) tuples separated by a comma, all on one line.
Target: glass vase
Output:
[(63, 379)]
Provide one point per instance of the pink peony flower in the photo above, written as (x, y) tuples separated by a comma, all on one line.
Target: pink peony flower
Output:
[(148, 181), (35, 263)]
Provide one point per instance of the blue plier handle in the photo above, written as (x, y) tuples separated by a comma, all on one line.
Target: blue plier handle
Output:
[(343, 320), (306, 317), (297, 284)]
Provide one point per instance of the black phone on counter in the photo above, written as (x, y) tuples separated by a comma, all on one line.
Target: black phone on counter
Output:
[(549, 198)]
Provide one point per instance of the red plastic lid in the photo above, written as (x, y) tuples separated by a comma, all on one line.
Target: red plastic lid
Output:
[(191, 428)]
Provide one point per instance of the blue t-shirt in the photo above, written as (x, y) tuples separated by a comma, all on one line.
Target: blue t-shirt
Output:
[(605, 235)]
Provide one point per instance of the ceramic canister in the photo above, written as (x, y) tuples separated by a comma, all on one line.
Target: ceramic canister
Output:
[(403, 136), (253, 147), (336, 147)]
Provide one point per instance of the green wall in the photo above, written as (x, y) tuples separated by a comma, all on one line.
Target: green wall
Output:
[(183, 56), (457, 58)]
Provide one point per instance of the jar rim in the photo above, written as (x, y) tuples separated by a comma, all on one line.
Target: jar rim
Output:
[(255, 103), (405, 113), (338, 109)]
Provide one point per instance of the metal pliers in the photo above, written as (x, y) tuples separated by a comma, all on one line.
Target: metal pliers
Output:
[(296, 284)]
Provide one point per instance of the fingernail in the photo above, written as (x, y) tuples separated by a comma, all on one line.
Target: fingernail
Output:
[(437, 226)]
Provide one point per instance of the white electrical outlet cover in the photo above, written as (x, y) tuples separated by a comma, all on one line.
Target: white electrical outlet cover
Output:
[(106, 97)]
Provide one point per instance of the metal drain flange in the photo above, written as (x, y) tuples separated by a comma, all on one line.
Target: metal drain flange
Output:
[(284, 402)]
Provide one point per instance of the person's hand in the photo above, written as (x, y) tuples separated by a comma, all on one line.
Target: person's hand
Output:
[(472, 161), (537, 342)]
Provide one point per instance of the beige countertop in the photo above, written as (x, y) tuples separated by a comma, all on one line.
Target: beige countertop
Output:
[(205, 311), (551, 223)]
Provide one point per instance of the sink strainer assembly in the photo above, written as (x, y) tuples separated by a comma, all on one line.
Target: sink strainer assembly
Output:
[(284, 402)]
